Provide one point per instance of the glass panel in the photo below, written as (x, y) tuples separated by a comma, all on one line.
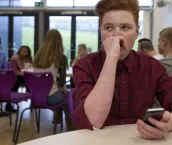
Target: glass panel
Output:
[(59, 3), (4, 34), (56, 3), (24, 3), (23, 32), (87, 32), (63, 25), (146, 3), (85, 2), (144, 30), (94, 2), (4, 3)]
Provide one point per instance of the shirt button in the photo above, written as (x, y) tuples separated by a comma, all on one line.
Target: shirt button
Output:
[(123, 82), (124, 102)]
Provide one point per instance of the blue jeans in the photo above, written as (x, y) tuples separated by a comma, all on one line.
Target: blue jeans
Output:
[(57, 98)]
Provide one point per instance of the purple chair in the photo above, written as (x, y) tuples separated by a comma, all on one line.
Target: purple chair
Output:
[(71, 106), (7, 81), (40, 84)]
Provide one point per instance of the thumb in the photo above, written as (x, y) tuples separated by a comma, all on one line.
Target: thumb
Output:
[(166, 116)]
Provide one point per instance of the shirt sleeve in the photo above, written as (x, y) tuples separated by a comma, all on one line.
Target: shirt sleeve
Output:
[(164, 88), (84, 84)]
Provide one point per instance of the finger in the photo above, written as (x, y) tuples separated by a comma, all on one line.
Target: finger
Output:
[(141, 133), (149, 135), (161, 125), (166, 116), (122, 41), (152, 130)]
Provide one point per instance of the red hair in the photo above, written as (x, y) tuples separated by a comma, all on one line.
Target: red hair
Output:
[(104, 6)]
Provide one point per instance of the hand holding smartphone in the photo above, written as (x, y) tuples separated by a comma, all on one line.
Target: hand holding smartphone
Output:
[(156, 113)]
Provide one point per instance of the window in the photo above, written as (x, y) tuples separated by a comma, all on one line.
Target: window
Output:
[(85, 2), (94, 2), (24, 3), (4, 3), (23, 32), (87, 32), (146, 3), (60, 3), (145, 26)]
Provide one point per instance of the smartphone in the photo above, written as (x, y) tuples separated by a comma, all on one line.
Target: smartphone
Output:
[(155, 113)]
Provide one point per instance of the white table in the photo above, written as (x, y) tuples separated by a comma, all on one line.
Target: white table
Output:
[(69, 72), (114, 135)]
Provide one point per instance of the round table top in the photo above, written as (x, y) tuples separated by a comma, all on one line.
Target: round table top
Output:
[(113, 135)]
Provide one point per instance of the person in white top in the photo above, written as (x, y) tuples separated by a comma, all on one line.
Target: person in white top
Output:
[(145, 45), (50, 58)]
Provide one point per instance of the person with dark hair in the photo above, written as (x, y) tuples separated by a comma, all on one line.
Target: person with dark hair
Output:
[(147, 47), (144, 40), (116, 85), (165, 48), (18, 62)]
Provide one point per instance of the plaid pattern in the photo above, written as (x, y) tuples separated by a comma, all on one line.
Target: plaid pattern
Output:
[(139, 79)]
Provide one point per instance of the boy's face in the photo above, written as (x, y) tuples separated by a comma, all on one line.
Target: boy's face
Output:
[(120, 23)]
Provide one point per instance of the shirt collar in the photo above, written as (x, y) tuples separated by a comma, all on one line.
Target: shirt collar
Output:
[(128, 62)]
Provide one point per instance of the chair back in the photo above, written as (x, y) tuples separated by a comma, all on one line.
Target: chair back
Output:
[(7, 81), (39, 84), (71, 105)]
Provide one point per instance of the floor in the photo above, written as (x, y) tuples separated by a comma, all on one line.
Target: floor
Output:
[(28, 129)]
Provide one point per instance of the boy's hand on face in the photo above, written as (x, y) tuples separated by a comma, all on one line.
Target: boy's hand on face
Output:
[(113, 44)]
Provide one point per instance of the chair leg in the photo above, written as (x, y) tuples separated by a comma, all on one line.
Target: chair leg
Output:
[(55, 121), (61, 118), (38, 119), (36, 115), (10, 114), (1, 107), (31, 108), (16, 122), (18, 131)]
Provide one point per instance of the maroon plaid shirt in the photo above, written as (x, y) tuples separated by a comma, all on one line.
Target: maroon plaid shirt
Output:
[(139, 78)]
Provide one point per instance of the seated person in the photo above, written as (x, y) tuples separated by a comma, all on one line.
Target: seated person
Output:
[(18, 62), (147, 47), (165, 48), (50, 58), (82, 51), (116, 85)]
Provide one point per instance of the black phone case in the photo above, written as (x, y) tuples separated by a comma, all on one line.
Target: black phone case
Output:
[(156, 115)]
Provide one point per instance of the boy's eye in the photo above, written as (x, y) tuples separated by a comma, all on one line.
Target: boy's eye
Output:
[(125, 28), (109, 28)]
